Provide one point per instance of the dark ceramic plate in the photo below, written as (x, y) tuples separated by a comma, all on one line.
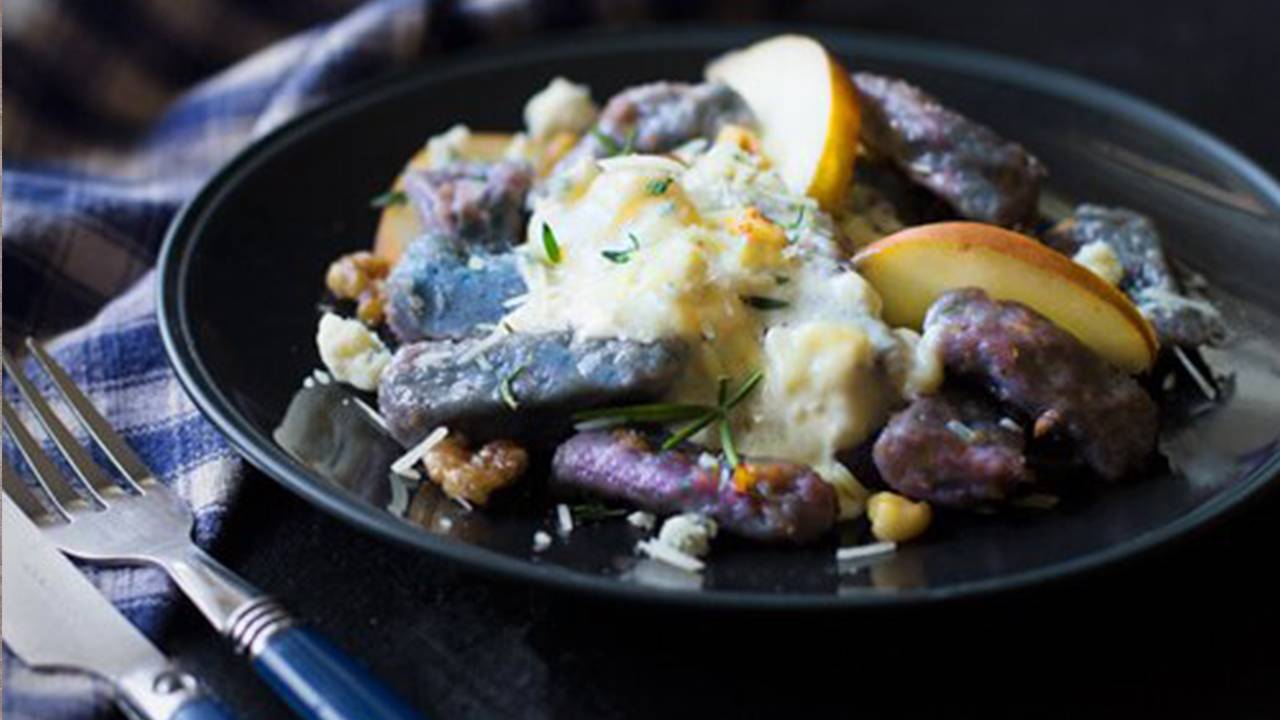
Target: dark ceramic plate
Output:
[(242, 271)]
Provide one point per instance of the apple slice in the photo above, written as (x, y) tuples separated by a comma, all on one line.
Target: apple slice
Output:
[(912, 267), (807, 110), (399, 222)]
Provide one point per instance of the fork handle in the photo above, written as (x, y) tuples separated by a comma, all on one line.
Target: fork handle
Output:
[(314, 677), (319, 681)]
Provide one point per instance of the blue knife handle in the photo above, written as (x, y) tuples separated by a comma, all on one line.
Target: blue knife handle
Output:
[(203, 707), (320, 682)]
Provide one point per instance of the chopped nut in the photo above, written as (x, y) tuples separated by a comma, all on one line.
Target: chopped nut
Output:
[(359, 276), (372, 304), (894, 518), (474, 476)]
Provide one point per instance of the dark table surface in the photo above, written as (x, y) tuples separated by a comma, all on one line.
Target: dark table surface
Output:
[(1191, 629)]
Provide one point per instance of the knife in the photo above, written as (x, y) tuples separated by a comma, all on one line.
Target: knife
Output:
[(55, 619)]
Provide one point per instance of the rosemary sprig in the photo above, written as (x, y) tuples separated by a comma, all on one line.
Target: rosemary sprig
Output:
[(550, 245), (389, 198), (505, 391), (695, 417), (622, 257), (760, 302)]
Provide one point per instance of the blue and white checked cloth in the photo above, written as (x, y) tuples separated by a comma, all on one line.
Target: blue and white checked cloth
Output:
[(114, 113)]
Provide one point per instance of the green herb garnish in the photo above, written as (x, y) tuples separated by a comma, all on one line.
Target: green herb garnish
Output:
[(389, 198), (505, 391), (657, 186), (765, 303), (622, 257), (694, 417), (726, 443), (795, 225), (611, 146), (595, 511), (550, 245), (781, 279)]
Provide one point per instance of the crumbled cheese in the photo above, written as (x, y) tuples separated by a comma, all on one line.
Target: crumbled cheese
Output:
[(403, 466), (857, 552), (351, 352), (662, 552), (564, 519), (475, 262), (562, 106), (1101, 258), (321, 377), (688, 533), (541, 541), (642, 520), (644, 164), (448, 146), (445, 524)]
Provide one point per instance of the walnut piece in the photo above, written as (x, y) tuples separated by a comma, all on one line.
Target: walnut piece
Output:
[(474, 476), (359, 276)]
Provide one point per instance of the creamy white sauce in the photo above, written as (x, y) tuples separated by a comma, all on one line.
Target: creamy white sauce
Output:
[(706, 243)]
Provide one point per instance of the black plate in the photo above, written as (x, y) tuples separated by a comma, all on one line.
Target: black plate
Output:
[(241, 273)]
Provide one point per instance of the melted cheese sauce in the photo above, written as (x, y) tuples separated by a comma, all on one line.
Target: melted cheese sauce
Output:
[(712, 249)]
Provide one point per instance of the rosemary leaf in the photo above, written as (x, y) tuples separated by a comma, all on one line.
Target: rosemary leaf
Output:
[(658, 186), (795, 225), (610, 145), (622, 257), (505, 391), (760, 302), (726, 443), (550, 245), (389, 198), (595, 511), (690, 430), (647, 413), (743, 390)]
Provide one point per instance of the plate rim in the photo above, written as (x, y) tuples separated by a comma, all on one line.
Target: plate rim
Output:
[(175, 325)]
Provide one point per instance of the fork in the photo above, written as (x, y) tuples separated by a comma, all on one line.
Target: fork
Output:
[(145, 522)]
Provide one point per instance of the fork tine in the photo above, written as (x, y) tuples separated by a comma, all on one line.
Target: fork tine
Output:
[(17, 492), (126, 461), (95, 480), (55, 487)]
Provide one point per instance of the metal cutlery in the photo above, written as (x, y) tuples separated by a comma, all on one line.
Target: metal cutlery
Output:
[(54, 619), (144, 522)]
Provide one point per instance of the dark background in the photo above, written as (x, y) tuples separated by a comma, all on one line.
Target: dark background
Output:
[(1191, 630)]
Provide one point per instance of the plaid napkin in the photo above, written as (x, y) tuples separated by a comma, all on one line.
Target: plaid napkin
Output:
[(114, 114)]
